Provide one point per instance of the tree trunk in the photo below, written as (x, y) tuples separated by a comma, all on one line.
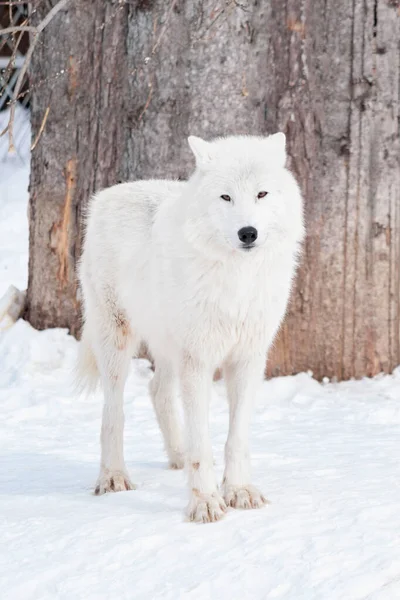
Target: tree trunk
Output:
[(327, 73), (79, 72)]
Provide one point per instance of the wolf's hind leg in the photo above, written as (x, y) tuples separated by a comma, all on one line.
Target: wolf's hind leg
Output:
[(113, 345)]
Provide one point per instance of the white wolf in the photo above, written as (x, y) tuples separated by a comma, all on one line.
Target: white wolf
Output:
[(201, 271)]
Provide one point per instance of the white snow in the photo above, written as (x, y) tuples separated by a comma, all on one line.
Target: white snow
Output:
[(326, 455), (14, 179)]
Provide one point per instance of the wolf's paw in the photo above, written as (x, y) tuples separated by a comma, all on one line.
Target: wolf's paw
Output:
[(113, 481), (247, 496), (206, 508), (176, 460)]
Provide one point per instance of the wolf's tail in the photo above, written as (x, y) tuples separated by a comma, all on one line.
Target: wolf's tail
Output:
[(86, 370)]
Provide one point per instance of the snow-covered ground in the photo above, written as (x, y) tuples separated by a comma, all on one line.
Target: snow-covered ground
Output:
[(326, 455)]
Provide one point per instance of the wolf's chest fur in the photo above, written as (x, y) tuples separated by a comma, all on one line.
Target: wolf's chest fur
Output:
[(224, 304)]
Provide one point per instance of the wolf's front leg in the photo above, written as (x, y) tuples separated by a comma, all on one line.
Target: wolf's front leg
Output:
[(243, 377), (205, 502)]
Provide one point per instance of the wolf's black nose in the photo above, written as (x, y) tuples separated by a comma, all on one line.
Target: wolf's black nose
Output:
[(247, 235)]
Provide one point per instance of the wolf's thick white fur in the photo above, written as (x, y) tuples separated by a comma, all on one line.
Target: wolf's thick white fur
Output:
[(163, 263)]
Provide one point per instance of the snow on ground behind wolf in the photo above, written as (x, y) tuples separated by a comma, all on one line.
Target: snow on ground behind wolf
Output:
[(327, 457)]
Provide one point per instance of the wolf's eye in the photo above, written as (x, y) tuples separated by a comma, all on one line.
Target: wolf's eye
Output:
[(226, 197), (261, 194)]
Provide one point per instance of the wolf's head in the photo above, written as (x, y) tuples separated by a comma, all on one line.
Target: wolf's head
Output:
[(241, 196)]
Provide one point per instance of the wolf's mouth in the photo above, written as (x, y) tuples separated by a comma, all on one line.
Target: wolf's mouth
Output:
[(247, 247)]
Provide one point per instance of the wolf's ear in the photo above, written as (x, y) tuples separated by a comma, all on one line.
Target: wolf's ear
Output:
[(277, 141), (200, 149)]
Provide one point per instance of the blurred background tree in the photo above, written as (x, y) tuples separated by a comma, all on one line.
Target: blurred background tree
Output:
[(121, 84)]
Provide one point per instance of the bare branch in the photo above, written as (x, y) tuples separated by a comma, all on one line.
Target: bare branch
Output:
[(16, 28), (11, 63)]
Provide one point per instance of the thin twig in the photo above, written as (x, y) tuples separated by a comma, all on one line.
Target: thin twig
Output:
[(36, 31), (46, 114), (146, 106), (16, 28), (10, 13), (164, 29)]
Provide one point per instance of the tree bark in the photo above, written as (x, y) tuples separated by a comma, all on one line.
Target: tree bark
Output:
[(326, 73)]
